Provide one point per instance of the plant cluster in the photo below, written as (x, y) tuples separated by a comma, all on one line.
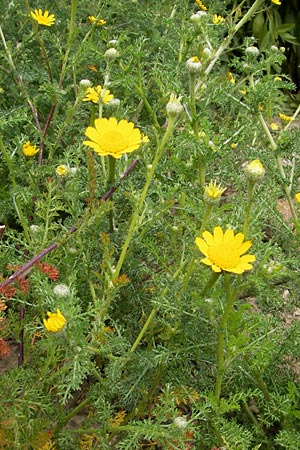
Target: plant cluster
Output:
[(149, 228)]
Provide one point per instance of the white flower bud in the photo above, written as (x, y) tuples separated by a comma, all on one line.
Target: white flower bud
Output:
[(174, 106), (207, 52), (197, 18), (34, 228), (61, 290), (114, 103), (111, 54), (85, 83), (180, 422), (252, 50)]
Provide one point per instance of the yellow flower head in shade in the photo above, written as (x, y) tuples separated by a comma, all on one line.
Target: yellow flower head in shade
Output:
[(218, 20), (201, 5), (55, 321), (110, 137), (93, 94), (231, 77), (286, 118), (29, 150), (213, 192), (43, 18), (297, 197), (254, 170), (274, 126), (225, 251), (99, 22), (276, 2)]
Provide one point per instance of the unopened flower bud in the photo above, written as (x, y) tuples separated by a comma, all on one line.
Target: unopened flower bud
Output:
[(197, 18), (207, 52), (254, 170), (193, 65), (180, 422), (85, 83), (34, 228), (111, 54), (114, 103), (61, 290), (62, 170), (252, 50), (174, 106)]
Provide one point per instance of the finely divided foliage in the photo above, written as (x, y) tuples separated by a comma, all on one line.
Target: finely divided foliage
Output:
[(149, 225)]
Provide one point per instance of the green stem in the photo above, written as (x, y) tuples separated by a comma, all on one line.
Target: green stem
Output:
[(258, 379), (192, 87), (221, 336), (69, 42), (110, 182), (135, 217), (153, 312), (250, 192), (212, 280), (146, 325), (69, 416), (147, 105), (17, 202)]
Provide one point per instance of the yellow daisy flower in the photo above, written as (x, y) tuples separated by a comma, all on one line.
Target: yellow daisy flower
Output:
[(231, 78), (93, 94), (29, 150), (297, 197), (218, 20), (55, 322), (225, 251), (286, 118), (43, 18), (274, 126), (110, 137), (201, 5), (99, 22), (276, 2)]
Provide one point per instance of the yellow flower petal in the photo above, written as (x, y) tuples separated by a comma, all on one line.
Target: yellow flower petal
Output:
[(202, 245), (208, 237), (218, 235)]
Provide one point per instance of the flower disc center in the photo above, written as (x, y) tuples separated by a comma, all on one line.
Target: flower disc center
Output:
[(224, 255), (113, 141)]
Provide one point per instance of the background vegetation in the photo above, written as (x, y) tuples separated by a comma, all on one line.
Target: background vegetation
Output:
[(136, 365)]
